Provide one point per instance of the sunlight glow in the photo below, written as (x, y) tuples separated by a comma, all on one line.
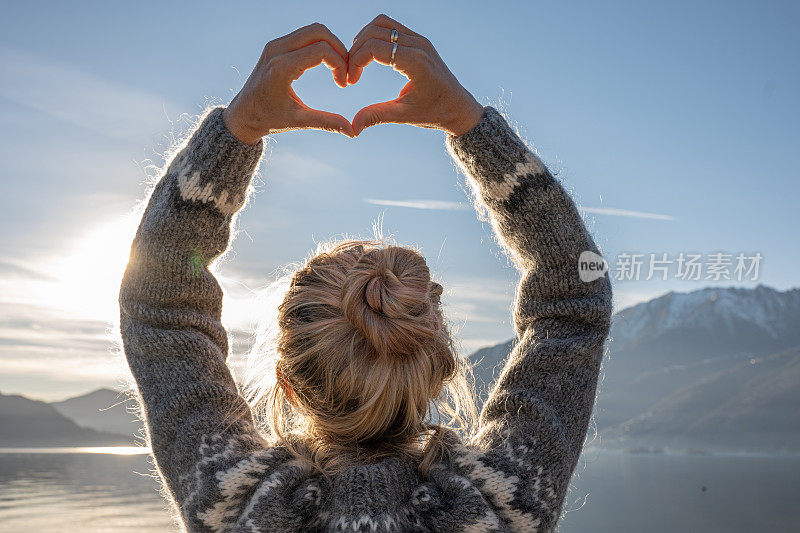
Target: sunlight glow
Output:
[(115, 450), (88, 276), (102, 450), (80, 282)]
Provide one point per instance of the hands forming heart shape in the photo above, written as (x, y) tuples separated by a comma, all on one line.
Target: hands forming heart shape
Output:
[(432, 98)]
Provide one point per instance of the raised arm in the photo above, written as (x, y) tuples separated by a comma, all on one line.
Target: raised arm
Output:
[(170, 303), (534, 423)]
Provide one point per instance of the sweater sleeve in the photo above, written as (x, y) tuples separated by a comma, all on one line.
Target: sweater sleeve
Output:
[(170, 308), (533, 425)]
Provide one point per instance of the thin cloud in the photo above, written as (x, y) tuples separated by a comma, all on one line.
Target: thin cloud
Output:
[(440, 205), (626, 213), (14, 269), (443, 205), (70, 94)]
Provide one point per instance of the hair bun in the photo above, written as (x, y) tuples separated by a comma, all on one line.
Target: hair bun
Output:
[(386, 297), (383, 291), (373, 292)]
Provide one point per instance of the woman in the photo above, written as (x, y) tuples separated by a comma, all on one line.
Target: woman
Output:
[(364, 354)]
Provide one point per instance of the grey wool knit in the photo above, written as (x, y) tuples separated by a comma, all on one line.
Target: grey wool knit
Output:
[(220, 471)]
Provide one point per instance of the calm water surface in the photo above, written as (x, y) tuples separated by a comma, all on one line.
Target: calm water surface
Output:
[(86, 492), (103, 492), (664, 493)]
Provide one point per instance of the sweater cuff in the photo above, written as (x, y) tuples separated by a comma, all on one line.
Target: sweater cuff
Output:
[(493, 155), (215, 167)]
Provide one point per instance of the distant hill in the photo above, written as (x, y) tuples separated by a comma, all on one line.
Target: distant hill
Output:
[(489, 362), (714, 368), (660, 346), (27, 422), (103, 410), (753, 405), (698, 369)]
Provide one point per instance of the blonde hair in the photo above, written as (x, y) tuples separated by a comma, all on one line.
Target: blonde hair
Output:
[(365, 364)]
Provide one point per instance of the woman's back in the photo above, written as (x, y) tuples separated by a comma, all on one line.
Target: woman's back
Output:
[(257, 488), (254, 488)]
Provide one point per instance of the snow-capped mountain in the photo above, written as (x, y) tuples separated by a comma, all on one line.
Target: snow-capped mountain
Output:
[(659, 346), (760, 320), (694, 359)]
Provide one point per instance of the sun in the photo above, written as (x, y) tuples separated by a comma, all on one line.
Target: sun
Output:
[(82, 280), (86, 278)]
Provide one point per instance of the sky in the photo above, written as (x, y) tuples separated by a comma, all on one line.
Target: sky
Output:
[(672, 124)]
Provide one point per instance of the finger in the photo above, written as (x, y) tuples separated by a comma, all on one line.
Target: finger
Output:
[(385, 34), (405, 58), (297, 62), (379, 32), (322, 120), (382, 113), (309, 35), (381, 21), (385, 21)]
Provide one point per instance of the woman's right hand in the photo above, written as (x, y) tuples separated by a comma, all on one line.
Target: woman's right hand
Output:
[(432, 98), (268, 104)]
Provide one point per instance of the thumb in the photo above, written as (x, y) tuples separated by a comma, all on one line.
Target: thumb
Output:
[(323, 120), (382, 113)]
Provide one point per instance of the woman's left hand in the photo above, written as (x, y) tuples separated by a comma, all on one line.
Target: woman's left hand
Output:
[(267, 103), (432, 98)]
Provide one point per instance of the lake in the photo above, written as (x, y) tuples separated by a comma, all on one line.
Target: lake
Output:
[(93, 491)]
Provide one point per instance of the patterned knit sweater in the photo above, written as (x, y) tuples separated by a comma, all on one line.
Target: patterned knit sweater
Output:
[(224, 476)]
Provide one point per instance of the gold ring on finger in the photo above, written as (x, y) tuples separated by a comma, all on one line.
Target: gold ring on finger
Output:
[(394, 51), (394, 36)]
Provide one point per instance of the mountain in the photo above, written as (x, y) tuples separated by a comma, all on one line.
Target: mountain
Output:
[(756, 320), (713, 368), (709, 368), (27, 422), (489, 362), (753, 405), (659, 346), (103, 410)]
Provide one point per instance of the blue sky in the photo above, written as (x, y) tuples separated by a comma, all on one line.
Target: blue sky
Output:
[(684, 111)]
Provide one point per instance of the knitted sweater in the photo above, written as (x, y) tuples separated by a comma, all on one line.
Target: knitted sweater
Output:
[(224, 476)]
